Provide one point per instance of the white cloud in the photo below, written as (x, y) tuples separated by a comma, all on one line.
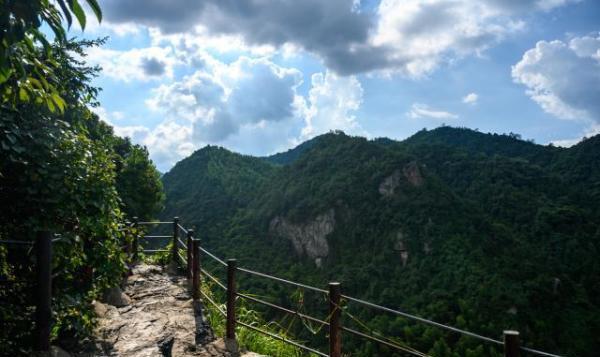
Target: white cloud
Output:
[(426, 33), (332, 102), (593, 130), (418, 111), (249, 105), (470, 98), (411, 37), (563, 78), (224, 98), (136, 64)]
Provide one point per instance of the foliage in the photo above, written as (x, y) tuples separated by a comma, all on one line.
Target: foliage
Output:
[(26, 73), (247, 338), (60, 171), (501, 234), (138, 181)]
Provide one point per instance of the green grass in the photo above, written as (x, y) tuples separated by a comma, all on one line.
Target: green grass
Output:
[(249, 339)]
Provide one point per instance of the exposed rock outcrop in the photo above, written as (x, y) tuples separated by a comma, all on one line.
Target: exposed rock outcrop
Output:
[(400, 247), (115, 297), (162, 320), (388, 186), (411, 172), (309, 238)]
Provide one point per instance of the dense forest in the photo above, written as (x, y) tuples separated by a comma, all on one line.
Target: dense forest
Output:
[(484, 232), (62, 170)]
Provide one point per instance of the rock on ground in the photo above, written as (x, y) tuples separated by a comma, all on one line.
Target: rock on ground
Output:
[(161, 320)]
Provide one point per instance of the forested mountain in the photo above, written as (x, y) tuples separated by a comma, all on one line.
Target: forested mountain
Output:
[(480, 231)]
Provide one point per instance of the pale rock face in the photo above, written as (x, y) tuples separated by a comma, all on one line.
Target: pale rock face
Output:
[(399, 246), (411, 172), (319, 262), (389, 184), (426, 248), (308, 238)]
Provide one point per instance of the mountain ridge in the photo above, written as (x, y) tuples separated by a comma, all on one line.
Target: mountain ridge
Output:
[(485, 239)]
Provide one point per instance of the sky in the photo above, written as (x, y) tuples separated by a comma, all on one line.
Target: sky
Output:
[(261, 76)]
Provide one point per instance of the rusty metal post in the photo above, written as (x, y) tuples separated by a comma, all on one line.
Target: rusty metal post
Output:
[(175, 236), (43, 312), (511, 344), (136, 242), (196, 268), (335, 332), (231, 294), (190, 253)]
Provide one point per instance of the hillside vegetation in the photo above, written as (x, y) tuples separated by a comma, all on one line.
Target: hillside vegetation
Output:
[(479, 231)]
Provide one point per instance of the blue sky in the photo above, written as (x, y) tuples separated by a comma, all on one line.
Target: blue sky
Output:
[(260, 77)]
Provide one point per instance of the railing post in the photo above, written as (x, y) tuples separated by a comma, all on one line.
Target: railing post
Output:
[(196, 268), (231, 294), (175, 235), (43, 312), (190, 254), (511, 344), (135, 240), (335, 332)]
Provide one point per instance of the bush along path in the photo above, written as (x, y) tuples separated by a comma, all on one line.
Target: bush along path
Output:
[(155, 316)]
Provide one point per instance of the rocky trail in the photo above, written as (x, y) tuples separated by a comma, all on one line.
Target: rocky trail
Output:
[(155, 316)]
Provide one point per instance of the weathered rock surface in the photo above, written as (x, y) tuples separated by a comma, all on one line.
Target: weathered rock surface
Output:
[(115, 297), (309, 238), (162, 320), (411, 172), (388, 186), (400, 247)]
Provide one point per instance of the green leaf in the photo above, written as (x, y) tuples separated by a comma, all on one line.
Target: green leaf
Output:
[(50, 105), (66, 12), (23, 95), (60, 103), (96, 9), (78, 11)]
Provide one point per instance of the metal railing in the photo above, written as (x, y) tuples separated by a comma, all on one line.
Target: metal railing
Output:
[(337, 304), (42, 246)]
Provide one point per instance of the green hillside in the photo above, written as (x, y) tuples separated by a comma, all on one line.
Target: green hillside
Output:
[(483, 232)]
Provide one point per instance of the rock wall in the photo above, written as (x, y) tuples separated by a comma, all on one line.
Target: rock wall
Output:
[(411, 172), (309, 238)]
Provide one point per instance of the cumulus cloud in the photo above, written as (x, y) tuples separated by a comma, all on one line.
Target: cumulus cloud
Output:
[(136, 64), (220, 102), (593, 130), (470, 98), (563, 77), (249, 105), (419, 110), (412, 37), (332, 102)]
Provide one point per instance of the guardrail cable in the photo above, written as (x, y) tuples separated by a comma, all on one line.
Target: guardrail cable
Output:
[(215, 280), (219, 308), (281, 308), (380, 337), (252, 272), (182, 229), (281, 338), (220, 261), (540, 353), (420, 319)]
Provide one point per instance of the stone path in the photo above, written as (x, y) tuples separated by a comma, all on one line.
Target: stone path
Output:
[(160, 319)]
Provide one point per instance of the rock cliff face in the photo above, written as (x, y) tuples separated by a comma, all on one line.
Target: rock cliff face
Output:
[(389, 184), (308, 238), (400, 247), (411, 172)]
